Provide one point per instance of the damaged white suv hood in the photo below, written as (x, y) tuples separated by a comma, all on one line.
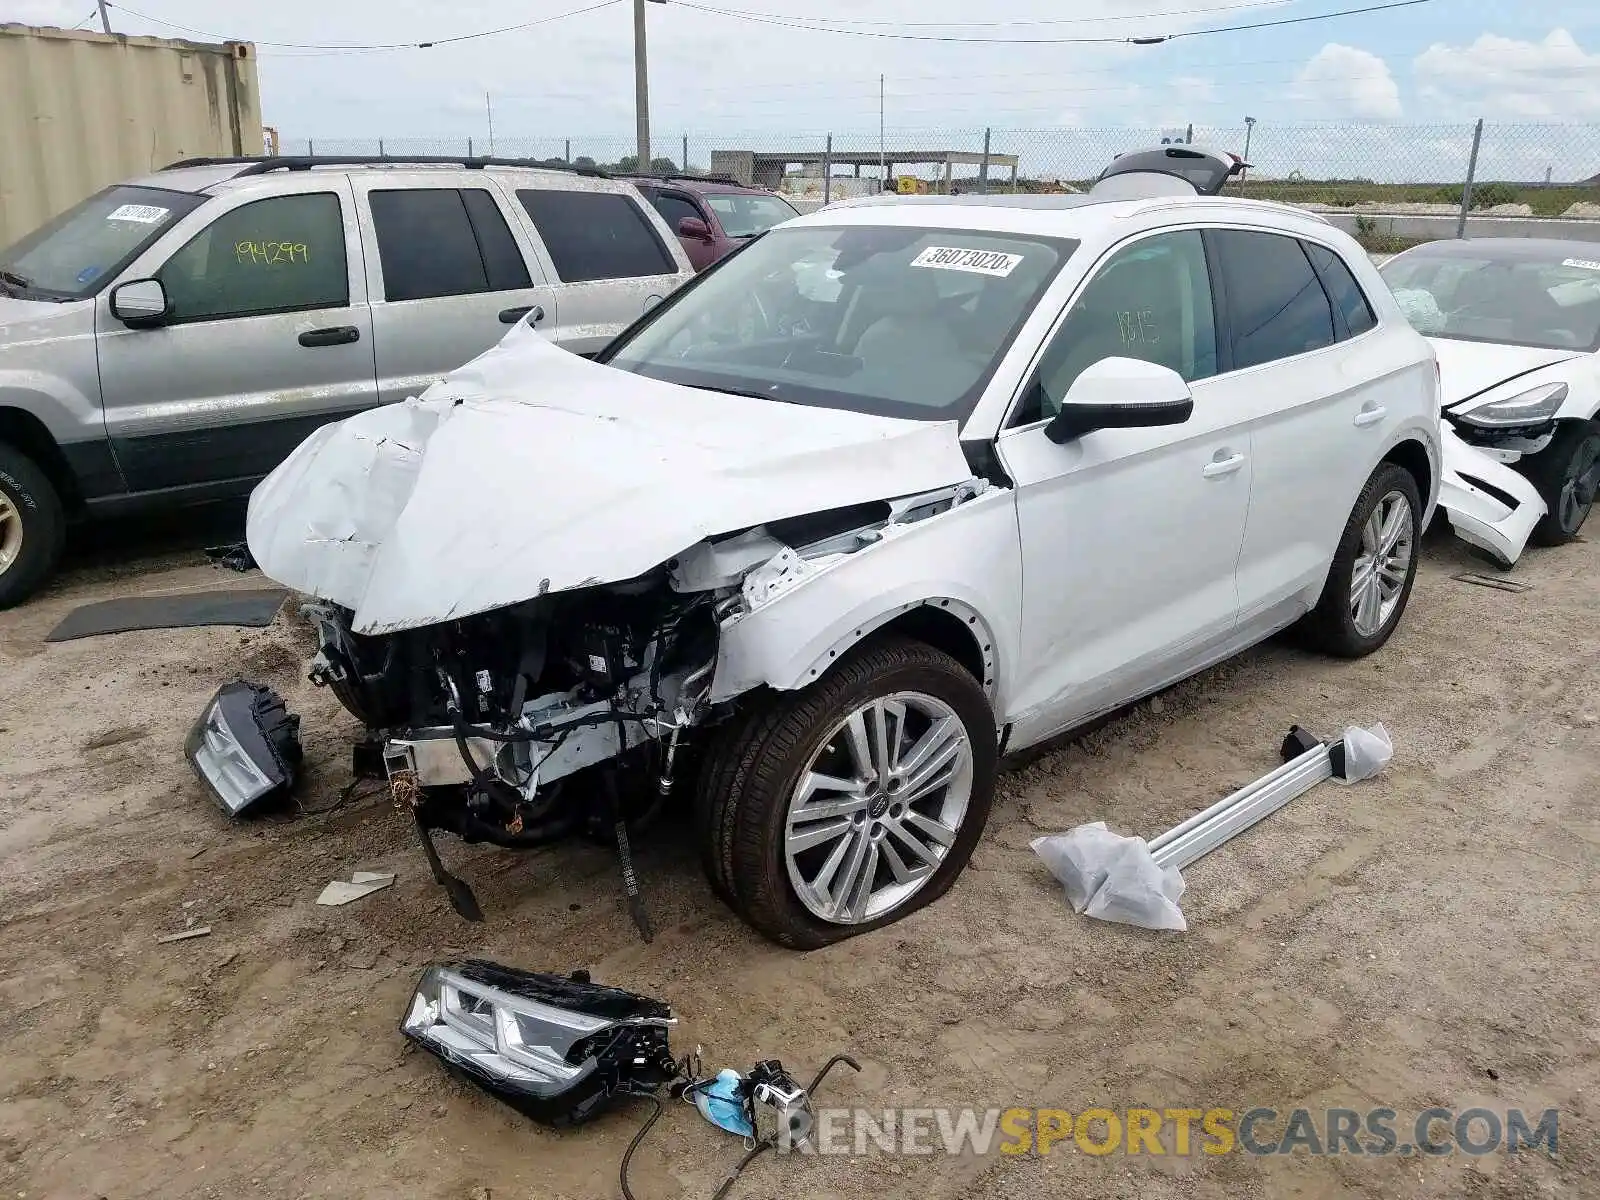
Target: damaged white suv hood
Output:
[(530, 470)]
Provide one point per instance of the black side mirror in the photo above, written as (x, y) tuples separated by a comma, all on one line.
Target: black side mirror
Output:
[(1121, 393), (140, 303)]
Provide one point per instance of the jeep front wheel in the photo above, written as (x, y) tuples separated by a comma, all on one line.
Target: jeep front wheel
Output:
[(842, 808), (33, 527)]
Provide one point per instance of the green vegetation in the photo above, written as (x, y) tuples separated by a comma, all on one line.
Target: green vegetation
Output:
[(1347, 193)]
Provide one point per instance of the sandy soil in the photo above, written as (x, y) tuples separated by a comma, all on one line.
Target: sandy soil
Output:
[(1424, 938)]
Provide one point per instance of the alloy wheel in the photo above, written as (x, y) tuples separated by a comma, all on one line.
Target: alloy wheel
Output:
[(1580, 485), (1378, 580), (878, 807), (10, 533)]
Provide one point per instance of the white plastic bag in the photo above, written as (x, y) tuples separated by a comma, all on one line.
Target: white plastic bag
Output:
[(1366, 751), (1113, 878)]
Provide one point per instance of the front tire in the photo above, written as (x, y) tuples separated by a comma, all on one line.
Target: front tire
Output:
[(843, 808), (1567, 475), (1369, 582), (33, 527)]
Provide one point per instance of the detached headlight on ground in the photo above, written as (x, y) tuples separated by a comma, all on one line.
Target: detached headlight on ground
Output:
[(245, 748), (556, 1048), (1533, 407)]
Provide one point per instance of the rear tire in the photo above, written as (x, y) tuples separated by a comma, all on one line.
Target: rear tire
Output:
[(752, 777), (1558, 473), (33, 527), (1339, 625)]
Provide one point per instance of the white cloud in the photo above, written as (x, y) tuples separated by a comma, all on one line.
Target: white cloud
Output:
[(1500, 78), (64, 13), (1343, 81)]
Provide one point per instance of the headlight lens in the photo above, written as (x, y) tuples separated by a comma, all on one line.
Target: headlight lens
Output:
[(557, 1048), (1532, 407), (245, 747)]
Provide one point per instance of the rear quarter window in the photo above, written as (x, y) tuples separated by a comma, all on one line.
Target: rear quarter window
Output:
[(1343, 290), (596, 235)]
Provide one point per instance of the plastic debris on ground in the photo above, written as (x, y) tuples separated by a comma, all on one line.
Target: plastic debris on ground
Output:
[(1112, 877), (1366, 752), (362, 883), (721, 1102), (199, 932)]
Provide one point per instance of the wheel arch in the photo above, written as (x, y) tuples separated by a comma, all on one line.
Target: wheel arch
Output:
[(1413, 457), (27, 433), (946, 623)]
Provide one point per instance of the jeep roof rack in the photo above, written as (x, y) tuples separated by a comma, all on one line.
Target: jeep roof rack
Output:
[(262, 164), (671, 175)]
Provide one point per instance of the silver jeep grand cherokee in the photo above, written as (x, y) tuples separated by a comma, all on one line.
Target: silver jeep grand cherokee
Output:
[(173, 338)]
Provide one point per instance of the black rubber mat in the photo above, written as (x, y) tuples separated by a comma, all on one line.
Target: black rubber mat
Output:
[(254, 608)]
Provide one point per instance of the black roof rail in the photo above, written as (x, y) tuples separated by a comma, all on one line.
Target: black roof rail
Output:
[(671, 175), (262, 164)]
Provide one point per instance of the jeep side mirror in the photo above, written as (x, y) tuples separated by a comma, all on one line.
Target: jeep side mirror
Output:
[(694, 228), (1121, 393), (139, 303)]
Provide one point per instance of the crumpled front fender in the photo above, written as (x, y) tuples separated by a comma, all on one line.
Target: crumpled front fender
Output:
[(964, 562)]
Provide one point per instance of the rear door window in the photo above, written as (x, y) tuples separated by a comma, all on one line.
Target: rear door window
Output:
[(1276, 305), (426, 245), (502, 261), (1343, 290), (596, 235)]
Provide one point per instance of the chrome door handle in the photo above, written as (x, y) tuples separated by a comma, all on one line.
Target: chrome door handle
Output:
[(1371, 416), (1218, 467)]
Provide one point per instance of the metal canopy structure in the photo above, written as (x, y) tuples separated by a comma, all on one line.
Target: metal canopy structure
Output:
[(766, 169)]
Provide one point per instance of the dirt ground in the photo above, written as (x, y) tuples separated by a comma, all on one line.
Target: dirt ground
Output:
[(1425, 938)]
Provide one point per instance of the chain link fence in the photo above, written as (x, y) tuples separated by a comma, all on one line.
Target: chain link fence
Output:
[(1515, 170)]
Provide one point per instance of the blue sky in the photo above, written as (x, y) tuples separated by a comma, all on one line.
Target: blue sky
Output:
[(1440, 64)]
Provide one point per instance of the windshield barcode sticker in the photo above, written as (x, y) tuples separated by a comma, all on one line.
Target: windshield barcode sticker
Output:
[(980, 262), (144, 214), (1587, 264)]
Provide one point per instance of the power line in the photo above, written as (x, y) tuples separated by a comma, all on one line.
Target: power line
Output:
[(1151, 40), (347, 47), (1181, 12)]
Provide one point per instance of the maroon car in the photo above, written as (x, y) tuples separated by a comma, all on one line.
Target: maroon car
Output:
[(712, 216)]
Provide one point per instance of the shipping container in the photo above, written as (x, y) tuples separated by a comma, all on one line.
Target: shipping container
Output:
[(79, 111)]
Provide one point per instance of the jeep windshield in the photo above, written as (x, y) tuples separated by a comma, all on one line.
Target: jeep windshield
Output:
[(84, 248), (884, 320)]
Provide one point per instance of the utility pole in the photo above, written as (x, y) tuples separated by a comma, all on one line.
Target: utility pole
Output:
[(883, 174), (641, 85), (488, 107), (105, 17), (1249, 128)]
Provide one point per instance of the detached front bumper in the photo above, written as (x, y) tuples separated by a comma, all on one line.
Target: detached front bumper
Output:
[(245, 748), (1489, 505)]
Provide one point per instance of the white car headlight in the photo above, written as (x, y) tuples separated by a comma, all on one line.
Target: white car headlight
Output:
[(1525, 408), (245, 748)]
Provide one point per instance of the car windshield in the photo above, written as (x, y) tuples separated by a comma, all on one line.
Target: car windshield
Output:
[(1551, 301), (745, 216), (80, 251), (885, 320)]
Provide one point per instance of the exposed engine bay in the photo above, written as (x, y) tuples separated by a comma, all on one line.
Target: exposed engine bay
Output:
[(566, 713)]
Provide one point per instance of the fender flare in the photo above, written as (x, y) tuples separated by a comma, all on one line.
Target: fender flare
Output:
[(814, 655)]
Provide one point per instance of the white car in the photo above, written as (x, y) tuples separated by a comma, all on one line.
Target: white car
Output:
[(1516, 325), (890, 492)]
